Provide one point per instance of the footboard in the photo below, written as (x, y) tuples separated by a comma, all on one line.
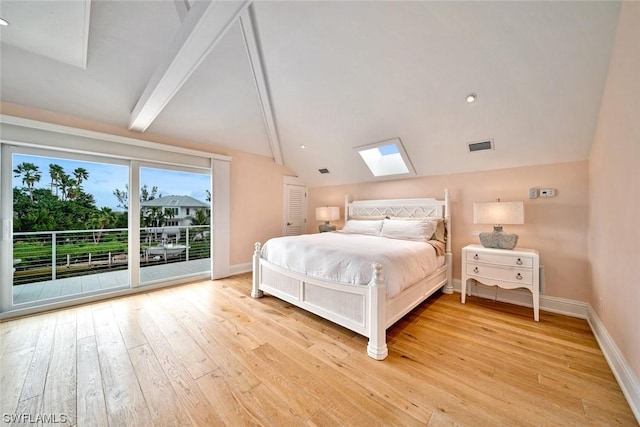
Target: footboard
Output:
[(358, 308)]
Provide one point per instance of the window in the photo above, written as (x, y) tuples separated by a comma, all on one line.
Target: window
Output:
[(90, 244), (386, 158), (171, 246), (69, 228)]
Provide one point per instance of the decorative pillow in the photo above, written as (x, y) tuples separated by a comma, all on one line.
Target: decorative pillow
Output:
[(363, 227), (420, 231), (441, 231)]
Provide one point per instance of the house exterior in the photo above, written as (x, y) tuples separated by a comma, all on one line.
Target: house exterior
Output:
[(182, 207)]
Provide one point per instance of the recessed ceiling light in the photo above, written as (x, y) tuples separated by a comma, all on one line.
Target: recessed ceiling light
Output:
[(472, 98), (302, 146), (4, 23)]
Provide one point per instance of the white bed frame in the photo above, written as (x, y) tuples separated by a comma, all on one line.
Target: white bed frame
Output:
[(363, 309)]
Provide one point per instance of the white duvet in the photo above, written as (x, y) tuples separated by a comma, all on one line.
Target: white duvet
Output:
[(349, 258)]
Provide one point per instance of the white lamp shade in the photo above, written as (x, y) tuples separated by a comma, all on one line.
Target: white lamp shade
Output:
[(327, 213), (498, 213)]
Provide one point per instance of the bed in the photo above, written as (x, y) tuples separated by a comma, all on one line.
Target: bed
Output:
[(387, 293)]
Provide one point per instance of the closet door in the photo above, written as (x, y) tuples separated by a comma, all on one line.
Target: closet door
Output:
[(295, 208)]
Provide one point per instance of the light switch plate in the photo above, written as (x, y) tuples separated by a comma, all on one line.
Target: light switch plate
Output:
[(533, 193)]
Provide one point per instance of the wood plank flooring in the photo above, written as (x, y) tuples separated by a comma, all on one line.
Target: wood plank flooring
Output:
[(207, 354)]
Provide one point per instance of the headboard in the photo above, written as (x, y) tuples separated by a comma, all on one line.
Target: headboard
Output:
[(398, 207), (407, 208)]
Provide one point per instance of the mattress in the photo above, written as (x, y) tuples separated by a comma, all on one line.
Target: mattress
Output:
[(350, 258)]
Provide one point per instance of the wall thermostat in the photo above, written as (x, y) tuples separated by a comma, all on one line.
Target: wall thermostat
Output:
[(547, 192)]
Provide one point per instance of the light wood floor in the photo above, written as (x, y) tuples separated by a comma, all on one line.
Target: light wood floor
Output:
[(207, 354)]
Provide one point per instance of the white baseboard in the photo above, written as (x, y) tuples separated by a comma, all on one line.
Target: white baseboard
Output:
[(627, 379), (240, 268), (523, 297)]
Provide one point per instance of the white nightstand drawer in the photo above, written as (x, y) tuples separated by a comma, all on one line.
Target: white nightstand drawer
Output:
[(514, 275), (500, 259)]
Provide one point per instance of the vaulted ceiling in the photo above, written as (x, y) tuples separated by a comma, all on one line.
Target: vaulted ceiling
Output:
[(269, 76)]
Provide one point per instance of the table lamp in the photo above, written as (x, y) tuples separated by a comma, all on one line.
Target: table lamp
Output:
[(326, 214), (498, 213)]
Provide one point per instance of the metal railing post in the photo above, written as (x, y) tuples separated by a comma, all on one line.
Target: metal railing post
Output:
[(53, 255), (186, 243)]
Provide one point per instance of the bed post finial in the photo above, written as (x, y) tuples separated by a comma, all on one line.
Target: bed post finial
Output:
[(377, 347), (448, 256), (255, 286), (378, 280), (347, 199)]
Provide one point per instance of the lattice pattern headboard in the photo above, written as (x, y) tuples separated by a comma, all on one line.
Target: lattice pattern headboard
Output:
[(395, 210), (402, 208), (396, 207)]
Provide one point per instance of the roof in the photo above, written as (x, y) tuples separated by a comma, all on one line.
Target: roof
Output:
[(175, 202)]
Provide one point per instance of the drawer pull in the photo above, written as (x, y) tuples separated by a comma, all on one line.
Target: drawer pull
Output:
[(519, 261), (519, 276), (475, 270), (476, 256)]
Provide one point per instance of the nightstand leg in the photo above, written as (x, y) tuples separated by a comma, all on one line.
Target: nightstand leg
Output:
[(463, 290), (536, 306)]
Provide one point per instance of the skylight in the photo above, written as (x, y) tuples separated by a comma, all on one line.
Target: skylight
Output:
[(386, 158)]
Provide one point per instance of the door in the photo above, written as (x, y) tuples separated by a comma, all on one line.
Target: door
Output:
[(295, 208)]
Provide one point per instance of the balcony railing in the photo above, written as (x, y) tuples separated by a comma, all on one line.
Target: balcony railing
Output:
[(52, 255)]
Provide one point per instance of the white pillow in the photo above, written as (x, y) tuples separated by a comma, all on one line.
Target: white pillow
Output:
[(420, 231), (362, 227)]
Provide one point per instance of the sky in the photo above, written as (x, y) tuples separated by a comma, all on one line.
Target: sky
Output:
[(105, 178)]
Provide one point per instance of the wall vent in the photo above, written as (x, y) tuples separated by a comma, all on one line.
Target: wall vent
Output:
[(482, 145), (323, 170)]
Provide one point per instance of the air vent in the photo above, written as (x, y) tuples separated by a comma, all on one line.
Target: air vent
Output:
[(482, 145), (324, 170)]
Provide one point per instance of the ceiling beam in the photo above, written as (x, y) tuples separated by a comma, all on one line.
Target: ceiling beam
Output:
[(260, 80), (203, 26)]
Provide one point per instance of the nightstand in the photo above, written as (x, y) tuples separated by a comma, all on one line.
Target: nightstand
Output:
[(508, 269)]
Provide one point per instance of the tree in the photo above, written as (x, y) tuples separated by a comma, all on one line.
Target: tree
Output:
[(30, 175), (145, 195), (73, 189), (81, 174), (101, 219), (56, 172), (39, 209), (123, 197), (65, 185), (201, 217)]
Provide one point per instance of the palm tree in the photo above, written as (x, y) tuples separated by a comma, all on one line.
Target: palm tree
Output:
[(69, 187), (73, 189), (30, 175), (201, 217), (56, 172), (101, 219), (81, 174)]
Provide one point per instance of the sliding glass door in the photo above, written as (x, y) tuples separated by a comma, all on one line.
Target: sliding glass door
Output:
[(70, 235), (175, 218), (76, 226)]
